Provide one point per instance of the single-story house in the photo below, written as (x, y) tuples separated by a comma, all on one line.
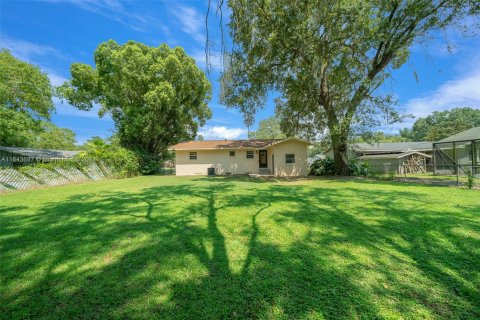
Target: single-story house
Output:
[(13, 156), (278, 157), (384, 157)]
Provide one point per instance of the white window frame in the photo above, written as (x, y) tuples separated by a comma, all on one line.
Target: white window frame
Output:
[(250, 152), (193, 155), (286, 158)]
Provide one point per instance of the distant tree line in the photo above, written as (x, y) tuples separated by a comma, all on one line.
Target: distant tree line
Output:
[(442, 124)]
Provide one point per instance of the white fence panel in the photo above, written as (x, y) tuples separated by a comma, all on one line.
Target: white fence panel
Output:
[(12, 179)]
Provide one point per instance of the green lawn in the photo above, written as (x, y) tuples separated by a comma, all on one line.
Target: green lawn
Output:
[(172, 247)]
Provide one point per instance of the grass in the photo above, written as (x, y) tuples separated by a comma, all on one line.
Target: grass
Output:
[(212, 248)]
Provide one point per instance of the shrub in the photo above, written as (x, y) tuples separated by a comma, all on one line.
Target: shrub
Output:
[(323, 167), (356, 168), (122, 162), (148, 164), (326, 167), (470, 180)]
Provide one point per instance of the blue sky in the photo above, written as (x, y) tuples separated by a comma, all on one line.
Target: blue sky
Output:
[(53, 34)]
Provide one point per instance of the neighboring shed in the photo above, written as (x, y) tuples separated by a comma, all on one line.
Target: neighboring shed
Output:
[(458, 152), (360, 149), (406, 162), (312, 159), (12, 156)]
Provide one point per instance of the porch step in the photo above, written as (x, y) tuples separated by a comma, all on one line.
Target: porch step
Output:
[(264, 171)]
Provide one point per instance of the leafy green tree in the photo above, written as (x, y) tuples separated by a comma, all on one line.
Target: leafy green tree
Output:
[(17, 128), (20, 129), (327, 59), (379, 136), (25, 107), (268, 129), (24, 87), (157, 96), (53, 137), (442, 124)]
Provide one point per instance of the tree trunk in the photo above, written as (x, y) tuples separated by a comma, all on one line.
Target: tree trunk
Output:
[(339, 147)]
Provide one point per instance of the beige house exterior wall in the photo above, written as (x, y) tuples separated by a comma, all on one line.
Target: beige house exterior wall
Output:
[(239, 164), (283, 169), (218, 159)]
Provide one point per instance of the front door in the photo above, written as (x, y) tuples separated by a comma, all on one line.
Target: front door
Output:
[(262, 158)]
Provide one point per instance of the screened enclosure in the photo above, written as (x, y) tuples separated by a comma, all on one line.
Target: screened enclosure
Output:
[(459, 154)]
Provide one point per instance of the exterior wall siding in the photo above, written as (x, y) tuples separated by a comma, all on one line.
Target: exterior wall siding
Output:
[(218, 159), (283, 169)]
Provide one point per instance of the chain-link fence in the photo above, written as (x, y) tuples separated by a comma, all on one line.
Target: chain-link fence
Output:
[(167, 171), (454, 175)]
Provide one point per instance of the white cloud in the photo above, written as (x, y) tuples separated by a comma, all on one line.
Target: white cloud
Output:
[(191, 21), (461, 92), (26, 51), (221, 132)]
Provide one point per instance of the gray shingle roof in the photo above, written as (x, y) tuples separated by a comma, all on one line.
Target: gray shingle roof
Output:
[(392, 155), (40, 153), (392, 146), (229, 144), (470, 134)]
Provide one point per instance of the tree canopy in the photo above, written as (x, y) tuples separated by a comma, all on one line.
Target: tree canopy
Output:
[(268, 129), (51, 136), (156, 96), (327, 59), (25, 107), (442, 124), (17, 128), (380, 136), (24, 87)]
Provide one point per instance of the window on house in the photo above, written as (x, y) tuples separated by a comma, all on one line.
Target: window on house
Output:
[(289, 158), (232, 153), (249, 154), (193, 156)]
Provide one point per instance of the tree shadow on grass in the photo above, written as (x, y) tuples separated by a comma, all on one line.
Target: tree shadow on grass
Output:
[(205, 251)]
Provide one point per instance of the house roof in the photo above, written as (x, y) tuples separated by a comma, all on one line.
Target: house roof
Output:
[(314, 158), (230, 144), (470, 134), (392, 146), (40, 153), (392, 155)]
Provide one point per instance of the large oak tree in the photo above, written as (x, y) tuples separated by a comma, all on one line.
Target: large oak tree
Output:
[(327, 58)]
